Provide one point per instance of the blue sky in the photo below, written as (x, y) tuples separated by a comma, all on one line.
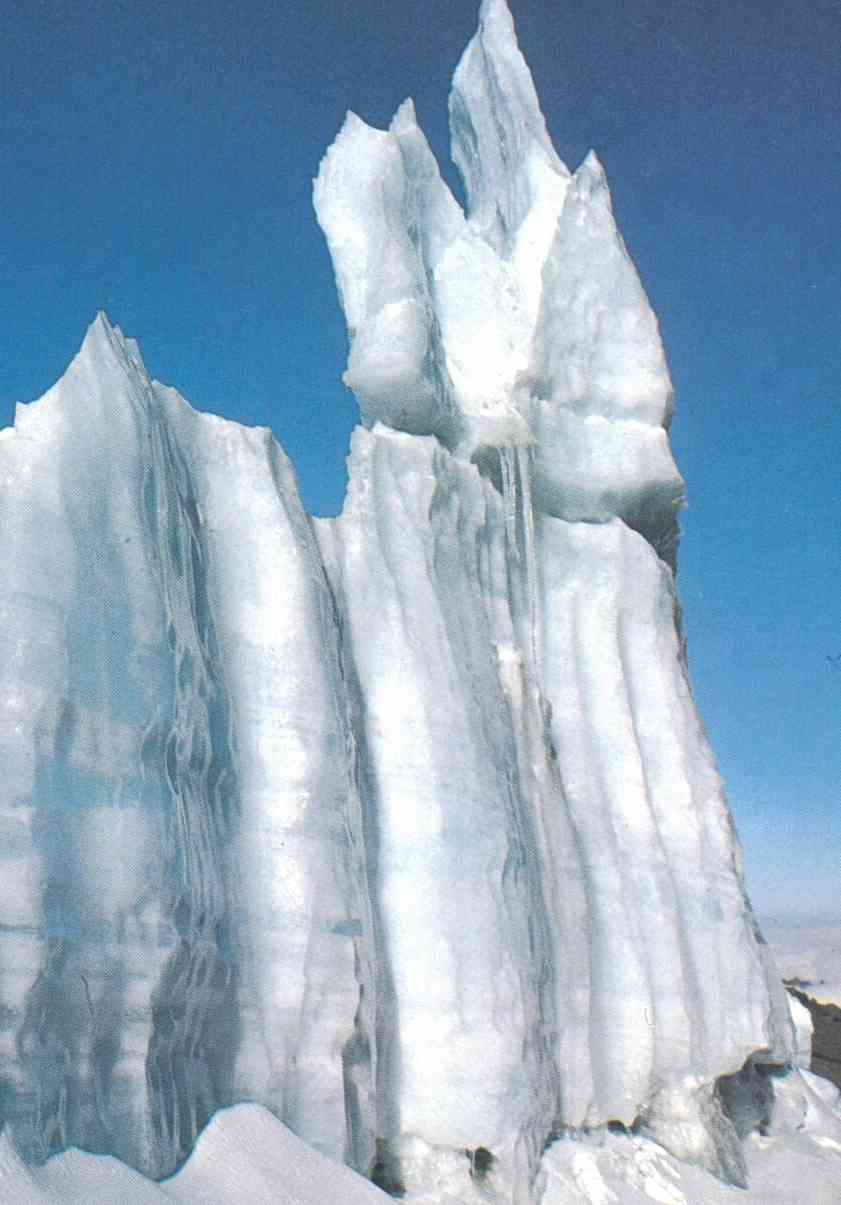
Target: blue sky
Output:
[(156, 161)]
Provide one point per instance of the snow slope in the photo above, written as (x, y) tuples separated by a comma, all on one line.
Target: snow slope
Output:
[(244, 1154), (621, 1169), (402, 825)]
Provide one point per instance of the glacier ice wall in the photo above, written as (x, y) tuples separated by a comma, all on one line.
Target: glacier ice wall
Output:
[(172, 938), (515, 340), (403, 823)]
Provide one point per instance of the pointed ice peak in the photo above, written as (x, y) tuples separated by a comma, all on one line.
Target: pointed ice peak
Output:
[(601, 390), (500, 142), (597, 347), (101, 324), (354, 186), (454, 320), (105, 348), (590, 177), (106, 374), (405, 119), (99, 338), (387, 213), (428, 206)]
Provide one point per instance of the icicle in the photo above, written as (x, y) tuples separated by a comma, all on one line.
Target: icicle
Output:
[(516, 468), (524, 467), (508, 468)]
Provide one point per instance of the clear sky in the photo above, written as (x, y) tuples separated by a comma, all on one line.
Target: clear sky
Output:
[(156, 161)]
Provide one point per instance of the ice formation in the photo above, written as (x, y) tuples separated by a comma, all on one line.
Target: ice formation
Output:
[(402, 824)]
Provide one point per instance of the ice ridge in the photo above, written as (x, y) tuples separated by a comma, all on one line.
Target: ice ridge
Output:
[(402, 824)]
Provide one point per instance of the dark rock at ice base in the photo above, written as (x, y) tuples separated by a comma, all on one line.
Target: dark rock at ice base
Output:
[(826, 1034)]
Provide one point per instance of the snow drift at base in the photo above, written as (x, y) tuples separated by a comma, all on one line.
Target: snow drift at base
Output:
[(401, 824), (245, 1154)]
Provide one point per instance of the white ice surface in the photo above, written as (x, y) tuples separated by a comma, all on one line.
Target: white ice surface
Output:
[(458, 877), (519, 335), (520, 322), (803, 1031), (245, 1154), (441, 306), (182, 871), (647, 806), (625, 1170)]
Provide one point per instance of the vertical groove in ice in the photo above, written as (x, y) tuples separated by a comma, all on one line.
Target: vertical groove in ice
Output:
[(118, 709), (468, 996), (297, 862), (166, 963), (524, 475), (515, 465), (189, 1062), (370, 1081)]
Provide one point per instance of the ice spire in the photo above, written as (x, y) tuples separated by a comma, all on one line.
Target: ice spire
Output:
[(523, 323), (499, 139), (531, 350), (600, 393)]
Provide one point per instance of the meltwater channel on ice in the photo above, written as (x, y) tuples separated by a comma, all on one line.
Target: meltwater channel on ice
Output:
[(401, 826)]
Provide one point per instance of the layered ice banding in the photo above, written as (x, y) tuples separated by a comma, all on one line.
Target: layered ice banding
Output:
[(402, 824)]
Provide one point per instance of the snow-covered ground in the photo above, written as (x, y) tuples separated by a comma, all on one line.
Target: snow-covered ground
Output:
[(627, 1170), (246, 1155), (810, 954)]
